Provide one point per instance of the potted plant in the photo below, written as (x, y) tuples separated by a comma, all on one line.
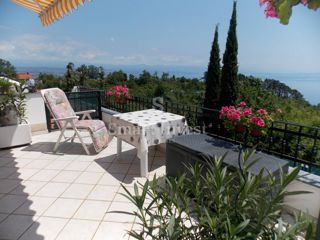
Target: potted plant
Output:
[(13, 123), (235, 118), (241, 118), (120, 93)]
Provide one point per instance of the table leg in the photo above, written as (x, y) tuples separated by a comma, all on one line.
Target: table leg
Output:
[(119, 146), (144, 164)]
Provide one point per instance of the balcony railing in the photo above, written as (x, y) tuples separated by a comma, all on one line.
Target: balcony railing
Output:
[(296, 142)]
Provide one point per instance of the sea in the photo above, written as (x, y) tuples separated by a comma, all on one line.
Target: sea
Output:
[(306, 83)]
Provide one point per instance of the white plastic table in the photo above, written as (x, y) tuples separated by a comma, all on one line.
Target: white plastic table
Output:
[(146, 128)]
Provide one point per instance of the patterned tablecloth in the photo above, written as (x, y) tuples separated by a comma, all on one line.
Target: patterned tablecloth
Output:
[(146, 128)]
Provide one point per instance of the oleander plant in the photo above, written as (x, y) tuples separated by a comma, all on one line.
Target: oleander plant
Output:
[(212, 202)]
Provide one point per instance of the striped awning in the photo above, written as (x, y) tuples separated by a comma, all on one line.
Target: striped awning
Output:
[(50, 10)]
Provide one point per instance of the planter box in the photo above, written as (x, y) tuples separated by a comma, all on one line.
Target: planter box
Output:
[(188, 149), (15, 135)]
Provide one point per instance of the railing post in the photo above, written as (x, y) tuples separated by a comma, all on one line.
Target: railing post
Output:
[(99, 105)]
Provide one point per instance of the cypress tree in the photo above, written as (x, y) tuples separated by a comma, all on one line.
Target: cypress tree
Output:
[(229, 72), (212, 77)]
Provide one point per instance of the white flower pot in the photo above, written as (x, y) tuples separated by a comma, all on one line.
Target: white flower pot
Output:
[(15, 135)]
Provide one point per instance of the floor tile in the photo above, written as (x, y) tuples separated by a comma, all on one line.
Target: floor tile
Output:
[(7, 185), (38, 164), (45, 228), (92, 210), (44, 175), (66, 176), (119, 168), (67, 157), (112, 231), (64, 208), (95, 167), (7, 161), (57, 165), (31, 154), (6, 171), (113, 214), (114, 179), (77, 166), (28, 188), (104, 193), (23, 173), (78, 191), (19, 162), (78, 230), (3, 216), (35, 206), (52, 189), (14, 225), (9, 203), (88, 178)]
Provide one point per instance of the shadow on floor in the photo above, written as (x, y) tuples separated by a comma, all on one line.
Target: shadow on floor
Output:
[(65, 148), (17, 218)]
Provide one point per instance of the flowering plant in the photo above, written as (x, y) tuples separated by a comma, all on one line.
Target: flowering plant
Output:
[(121, 93), (241, 117), (282, 9)]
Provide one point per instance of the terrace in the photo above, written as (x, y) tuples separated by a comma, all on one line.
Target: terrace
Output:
[(71, 195)]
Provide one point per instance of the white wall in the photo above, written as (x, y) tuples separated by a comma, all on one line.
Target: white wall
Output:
[(36, 114)]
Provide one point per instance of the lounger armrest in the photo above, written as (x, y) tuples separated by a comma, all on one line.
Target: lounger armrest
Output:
[(85, 114), (86, 111), (67, 118)]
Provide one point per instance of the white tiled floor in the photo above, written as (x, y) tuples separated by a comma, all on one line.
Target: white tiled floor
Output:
[(68, 195)]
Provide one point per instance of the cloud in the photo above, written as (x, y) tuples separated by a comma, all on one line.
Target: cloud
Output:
[(42, 49)]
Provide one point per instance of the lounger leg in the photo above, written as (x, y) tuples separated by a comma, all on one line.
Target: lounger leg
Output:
[(119, 146), (82, 143), (59, 139), (73, 137)]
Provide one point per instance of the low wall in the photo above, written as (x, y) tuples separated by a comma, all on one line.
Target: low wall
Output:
[(36, 114)]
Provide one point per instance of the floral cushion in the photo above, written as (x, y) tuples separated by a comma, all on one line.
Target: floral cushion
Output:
[(58, 104), (97, 130)]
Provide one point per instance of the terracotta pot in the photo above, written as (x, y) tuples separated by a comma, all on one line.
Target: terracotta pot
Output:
[(240, 128), (255, 133), (121, 100)]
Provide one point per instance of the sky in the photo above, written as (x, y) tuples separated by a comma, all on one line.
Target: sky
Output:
[(160, 32)]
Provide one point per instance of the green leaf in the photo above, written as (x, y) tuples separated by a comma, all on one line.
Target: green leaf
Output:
[(285, 11), (314, 4)]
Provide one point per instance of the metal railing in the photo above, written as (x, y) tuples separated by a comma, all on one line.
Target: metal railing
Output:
[(296, 142)]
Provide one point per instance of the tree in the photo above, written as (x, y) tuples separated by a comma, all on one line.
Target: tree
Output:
[(212, 76), (101, 76), (69, 75), (229, 72), (93, 72), (83, 74), (7, 69)]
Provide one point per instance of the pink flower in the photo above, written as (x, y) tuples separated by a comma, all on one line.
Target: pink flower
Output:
[(242, 104), (261, 123), (270, 10), (304, 2), (109, 93), (262, 111), (262, 2), (247, 111), (279, 110), (125, 89)]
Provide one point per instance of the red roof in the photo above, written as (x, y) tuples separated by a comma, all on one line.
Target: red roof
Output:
[(24, 76)]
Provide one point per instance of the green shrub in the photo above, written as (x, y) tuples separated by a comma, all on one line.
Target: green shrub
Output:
[(216, 204)]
